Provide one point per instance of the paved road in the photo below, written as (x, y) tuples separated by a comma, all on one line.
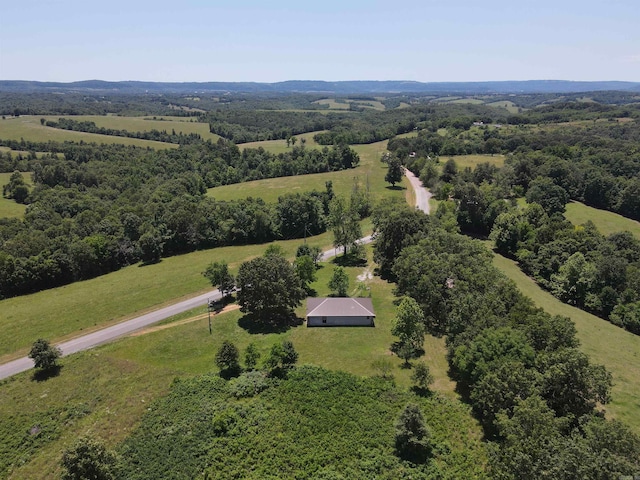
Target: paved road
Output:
[(118, 330), (422, 194), (108, 334)]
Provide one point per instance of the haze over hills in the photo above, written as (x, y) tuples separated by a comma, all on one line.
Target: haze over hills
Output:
[(318, 86)]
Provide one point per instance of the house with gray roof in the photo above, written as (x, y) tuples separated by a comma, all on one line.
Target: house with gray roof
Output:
[(340, 311)]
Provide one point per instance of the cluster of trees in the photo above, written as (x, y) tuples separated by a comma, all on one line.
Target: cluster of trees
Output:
[(373, 126), (536, 394), (17, 189), (71, 103), (577, 264), (242, 126), (157, 135), (100, 208), (597, 163), (281, 360)]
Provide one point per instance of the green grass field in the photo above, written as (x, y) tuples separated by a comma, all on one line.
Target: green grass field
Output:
[(74, 309), (280, 146), (508, 105), (9, 208), (606, 344), (334, 105), (29, 128), (370, 169), (607, 222), (144, 124), (105, 391), (471, 161)]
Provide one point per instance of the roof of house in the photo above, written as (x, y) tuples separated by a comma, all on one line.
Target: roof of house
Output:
[(339, 307)]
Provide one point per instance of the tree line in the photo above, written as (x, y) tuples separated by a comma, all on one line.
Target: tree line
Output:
[(536, 394), (101, 208), (91, 127)]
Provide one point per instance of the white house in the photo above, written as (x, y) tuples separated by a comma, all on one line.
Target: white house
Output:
[(340, 311)]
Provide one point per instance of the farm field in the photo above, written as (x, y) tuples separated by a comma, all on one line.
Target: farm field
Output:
[(509, 105), (369, 170), (184, 125), (345, 105), (471, 161), (606, 344), (105, 391), (28, 127), (9, 208), (607, 222), (280, 146)]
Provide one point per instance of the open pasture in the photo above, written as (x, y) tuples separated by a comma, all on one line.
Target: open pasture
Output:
[(345, 104), (280, 146), (471, 161), (606, 222), (183, 125), (77, 308), (371, 171), (28, 127)]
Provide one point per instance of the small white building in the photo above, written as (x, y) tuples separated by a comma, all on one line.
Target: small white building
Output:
[(340, 311)]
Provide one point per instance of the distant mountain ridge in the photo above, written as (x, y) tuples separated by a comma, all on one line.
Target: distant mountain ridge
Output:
[(319, 86)]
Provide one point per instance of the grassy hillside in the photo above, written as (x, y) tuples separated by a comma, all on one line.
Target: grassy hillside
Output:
[(280, 146), (605, 343), (320, 424), (76, 308), (29, 128), (184, 125), (104, 392), (370, 171), (607, 222)]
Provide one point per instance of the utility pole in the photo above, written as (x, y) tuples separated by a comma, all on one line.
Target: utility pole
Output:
[(209, 310)]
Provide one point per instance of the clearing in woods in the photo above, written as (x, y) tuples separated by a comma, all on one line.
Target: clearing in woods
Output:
[(28, 127)]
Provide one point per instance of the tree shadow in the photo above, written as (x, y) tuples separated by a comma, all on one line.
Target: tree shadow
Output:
[(349, 261), (149, 262), (422, 392), (44, 374), (395, 187), (255, 325), (311, 292)]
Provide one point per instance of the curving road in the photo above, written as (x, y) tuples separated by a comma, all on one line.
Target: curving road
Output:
[(118, 330)]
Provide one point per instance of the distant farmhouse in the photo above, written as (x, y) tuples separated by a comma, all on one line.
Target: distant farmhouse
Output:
[(337, 311)]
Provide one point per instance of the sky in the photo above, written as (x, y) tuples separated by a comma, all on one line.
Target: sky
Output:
[(277, 40)]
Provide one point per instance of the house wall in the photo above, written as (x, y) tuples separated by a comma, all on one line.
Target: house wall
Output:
[(340, 321)]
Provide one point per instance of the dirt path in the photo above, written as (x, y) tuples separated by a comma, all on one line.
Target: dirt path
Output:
[(228, 308)]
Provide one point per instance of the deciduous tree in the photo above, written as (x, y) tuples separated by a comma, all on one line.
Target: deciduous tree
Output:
[(44, 355), (269, 289)]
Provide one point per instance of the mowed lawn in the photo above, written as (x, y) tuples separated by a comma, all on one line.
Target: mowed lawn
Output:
[(28, 127), (184, 125), (371, 171), (606, 222), (9, 208), (606, 344), (104, 392), (74, 309)]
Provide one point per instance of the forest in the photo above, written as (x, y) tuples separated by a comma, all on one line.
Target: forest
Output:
[(99, 208)]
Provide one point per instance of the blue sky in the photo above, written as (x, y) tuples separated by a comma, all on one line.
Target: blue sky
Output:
[(268, 41)]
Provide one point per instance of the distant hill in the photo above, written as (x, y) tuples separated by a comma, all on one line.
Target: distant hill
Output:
[(313, 86)]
